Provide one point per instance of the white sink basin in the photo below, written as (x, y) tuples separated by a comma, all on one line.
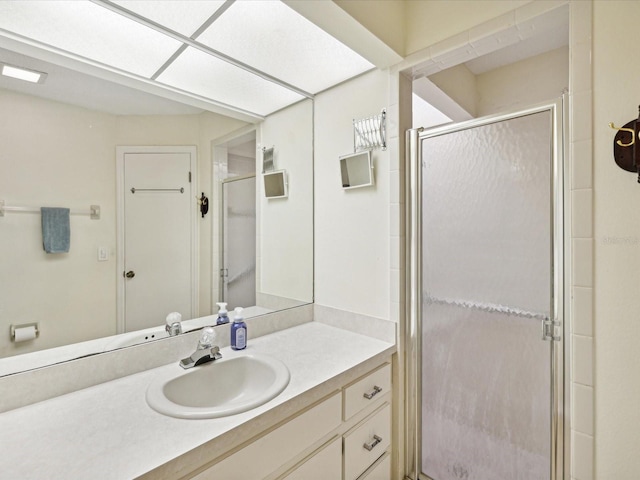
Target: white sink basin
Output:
[(220, 388)]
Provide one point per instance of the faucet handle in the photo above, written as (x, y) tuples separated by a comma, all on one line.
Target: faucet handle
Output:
[(173, 317), (207, 337)]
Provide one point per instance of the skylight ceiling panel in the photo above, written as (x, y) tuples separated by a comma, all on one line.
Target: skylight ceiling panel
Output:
[(202, 74), (273, 38), (182, 16), (90, 31)]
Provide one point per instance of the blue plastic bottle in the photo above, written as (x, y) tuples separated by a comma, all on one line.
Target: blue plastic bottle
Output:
[(222, 314), (238, 331)]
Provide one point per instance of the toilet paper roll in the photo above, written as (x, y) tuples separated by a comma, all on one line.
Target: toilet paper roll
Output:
[(24, 334)]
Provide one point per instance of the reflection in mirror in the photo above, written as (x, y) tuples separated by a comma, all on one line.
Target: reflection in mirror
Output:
[(356, 170), (64, 155)]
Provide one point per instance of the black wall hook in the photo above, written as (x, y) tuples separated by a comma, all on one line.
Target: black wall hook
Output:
[(204, 204)]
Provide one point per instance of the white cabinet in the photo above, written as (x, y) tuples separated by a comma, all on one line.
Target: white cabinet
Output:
[(345, 437), (367, 442), (367, 390), (324, 465), (381, 470), (266, 454)]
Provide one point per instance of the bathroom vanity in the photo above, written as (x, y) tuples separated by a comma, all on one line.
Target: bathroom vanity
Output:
[(333, 420)]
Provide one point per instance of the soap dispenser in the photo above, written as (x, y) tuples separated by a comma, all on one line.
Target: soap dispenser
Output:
[(238, 331), (222, 314)]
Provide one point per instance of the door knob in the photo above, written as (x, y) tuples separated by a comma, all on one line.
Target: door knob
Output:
[(130, 274)]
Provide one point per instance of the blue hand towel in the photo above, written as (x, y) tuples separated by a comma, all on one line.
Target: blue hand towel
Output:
[(56, 232)]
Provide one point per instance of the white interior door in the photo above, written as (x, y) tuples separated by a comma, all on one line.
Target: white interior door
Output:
[(157, 237)]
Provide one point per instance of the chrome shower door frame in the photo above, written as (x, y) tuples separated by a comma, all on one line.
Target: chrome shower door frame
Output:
[(559, 397)]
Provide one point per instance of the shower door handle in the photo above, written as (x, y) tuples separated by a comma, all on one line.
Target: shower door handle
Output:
[(548, 330)]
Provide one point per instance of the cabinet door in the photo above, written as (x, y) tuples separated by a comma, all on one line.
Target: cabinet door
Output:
[(260, 458), (324, 465)]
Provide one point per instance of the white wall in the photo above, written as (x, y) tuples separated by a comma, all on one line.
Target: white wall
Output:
[(54, 154), (522, 84), (352, 229), (61, 156), (616, 246), (285, 241)]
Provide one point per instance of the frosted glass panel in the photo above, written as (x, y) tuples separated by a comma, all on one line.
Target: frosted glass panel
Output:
[(239, 244), (487, 283)]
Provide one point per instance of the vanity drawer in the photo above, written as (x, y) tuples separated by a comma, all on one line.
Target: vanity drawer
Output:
[(323, 465), (380, 471), (367, 442), (266, 454), (366, 391)]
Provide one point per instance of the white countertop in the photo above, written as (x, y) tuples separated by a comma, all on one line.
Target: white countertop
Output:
[(109, 432)]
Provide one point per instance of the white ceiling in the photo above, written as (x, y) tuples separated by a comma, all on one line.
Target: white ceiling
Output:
[(249, 57)]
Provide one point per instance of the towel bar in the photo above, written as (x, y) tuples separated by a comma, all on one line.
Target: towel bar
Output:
[(93, 212)]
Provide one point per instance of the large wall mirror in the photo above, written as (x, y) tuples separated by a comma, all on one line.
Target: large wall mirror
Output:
[(59, 149), (222, 80)]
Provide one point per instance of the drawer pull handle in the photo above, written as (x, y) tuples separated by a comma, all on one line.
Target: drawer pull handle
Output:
[(376, 440), (376, 390)]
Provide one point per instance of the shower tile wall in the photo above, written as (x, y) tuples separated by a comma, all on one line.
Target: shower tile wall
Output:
[(581, 184)]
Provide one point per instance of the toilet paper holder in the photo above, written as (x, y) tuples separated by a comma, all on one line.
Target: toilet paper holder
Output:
[(13, 328)]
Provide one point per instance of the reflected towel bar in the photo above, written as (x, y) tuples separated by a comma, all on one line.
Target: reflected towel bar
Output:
[(134, 190), (93, 211)]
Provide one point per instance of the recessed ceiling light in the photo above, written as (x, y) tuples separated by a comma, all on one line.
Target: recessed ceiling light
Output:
[(20, 73)]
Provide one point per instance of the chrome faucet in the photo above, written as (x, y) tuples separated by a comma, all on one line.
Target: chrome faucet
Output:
[(205, 352), (174, 325)]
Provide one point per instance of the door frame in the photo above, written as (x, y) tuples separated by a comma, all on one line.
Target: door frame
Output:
[(559, 395), (121, 151)]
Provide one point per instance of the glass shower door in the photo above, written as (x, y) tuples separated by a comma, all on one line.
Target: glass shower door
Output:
[(239, 242), (487, 283)]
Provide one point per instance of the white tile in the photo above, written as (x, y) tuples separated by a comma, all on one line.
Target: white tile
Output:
[(582, 360), (582, 164), (395, 311), (395, 162), (394, 194), (396, 220), (396, 285), (452, 46), (582, 456), (582, 262), (394, 256), (582, 408), (581, 112), (582, 213), (493, 28), (582, 308), (580, 73), (393, 114), (580, 19), (535, 9)]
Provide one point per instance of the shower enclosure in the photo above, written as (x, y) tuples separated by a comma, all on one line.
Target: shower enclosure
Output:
[(238, 242), (486, 303)]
